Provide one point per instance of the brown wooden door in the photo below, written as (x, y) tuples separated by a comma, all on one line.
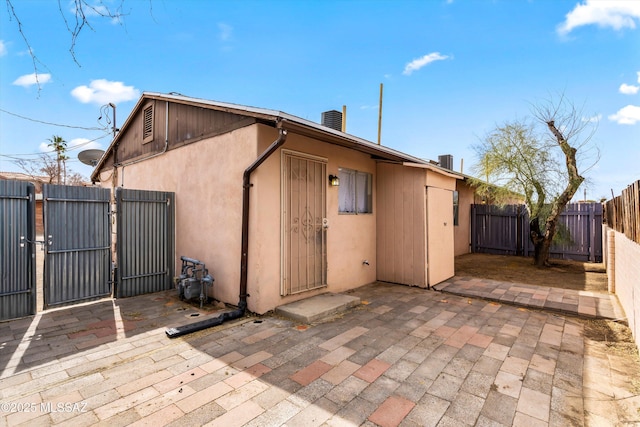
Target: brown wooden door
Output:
[(304, 236)]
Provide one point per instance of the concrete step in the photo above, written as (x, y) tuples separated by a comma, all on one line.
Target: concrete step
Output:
[(318, 307)]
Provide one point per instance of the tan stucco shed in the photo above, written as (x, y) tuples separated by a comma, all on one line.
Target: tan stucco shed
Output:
[(389, 219)]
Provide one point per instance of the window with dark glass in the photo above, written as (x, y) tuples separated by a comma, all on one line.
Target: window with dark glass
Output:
[(456, 207)]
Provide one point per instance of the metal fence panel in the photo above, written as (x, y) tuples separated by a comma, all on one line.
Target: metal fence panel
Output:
[(145, 248), (17, 249), (77, 243)]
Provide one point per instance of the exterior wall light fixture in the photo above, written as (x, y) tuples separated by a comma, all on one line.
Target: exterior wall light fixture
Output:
[(334, 181)]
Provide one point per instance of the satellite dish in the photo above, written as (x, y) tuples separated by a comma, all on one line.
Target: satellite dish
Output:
[(90, 157)]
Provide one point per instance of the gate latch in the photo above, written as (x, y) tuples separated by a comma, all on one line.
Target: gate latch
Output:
[(41, 242)]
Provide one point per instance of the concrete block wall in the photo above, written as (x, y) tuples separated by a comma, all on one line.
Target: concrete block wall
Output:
[(623, 270)]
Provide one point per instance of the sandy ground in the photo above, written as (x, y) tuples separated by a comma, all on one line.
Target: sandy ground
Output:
[(562, 274)]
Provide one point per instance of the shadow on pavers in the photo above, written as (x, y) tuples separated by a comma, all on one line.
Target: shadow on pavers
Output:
[(65, 331)]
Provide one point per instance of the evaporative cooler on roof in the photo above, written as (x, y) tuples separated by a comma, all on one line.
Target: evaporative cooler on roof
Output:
[(332, 119), (446, 161)]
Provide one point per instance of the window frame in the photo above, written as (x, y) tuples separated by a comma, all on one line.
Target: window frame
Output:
[(356, 197), (456, 207)]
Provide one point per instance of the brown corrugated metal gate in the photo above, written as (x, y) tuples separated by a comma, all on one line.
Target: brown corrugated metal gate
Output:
[(145, 223), (17, 249), (77, 230), (77, 244)]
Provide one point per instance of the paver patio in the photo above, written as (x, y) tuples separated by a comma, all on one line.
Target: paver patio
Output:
[(405, 356)]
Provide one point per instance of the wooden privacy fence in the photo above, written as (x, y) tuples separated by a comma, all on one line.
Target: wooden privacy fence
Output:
[(505, 230), (622, 213)]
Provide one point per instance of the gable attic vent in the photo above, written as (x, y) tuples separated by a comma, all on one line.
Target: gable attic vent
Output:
[(147, 124), (332, 119), (446, 161)]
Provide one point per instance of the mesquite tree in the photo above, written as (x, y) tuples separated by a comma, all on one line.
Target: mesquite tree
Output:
[(542, 165)]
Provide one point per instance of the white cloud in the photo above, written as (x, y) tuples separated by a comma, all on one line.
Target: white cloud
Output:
[(92, 11), (44, 147), (32, 79), (617, 14), (628, 89), (226, 31), (593, 119), (28, 52), (102, 91), (83, 144), (628, 115), (418, 63), (3, 48)]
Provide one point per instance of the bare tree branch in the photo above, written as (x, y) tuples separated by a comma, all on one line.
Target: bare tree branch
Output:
[(34, 58), (81, 10)]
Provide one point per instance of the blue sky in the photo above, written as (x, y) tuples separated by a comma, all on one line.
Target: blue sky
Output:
[(452, 70)]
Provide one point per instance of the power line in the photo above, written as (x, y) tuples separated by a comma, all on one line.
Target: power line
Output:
[(71, 148), (18, 159), (82, 144), (50, 123)]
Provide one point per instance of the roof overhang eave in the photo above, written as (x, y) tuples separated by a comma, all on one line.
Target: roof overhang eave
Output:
[(434, 168), (331, 136), (278, 119)]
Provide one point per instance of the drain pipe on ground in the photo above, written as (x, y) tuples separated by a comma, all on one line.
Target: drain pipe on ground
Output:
[(244, 255)]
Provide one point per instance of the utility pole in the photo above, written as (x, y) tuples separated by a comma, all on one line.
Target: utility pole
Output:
[(114, 129), (380, 115)]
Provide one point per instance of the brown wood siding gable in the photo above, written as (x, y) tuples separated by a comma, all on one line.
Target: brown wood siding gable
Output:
[(145, 133)]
